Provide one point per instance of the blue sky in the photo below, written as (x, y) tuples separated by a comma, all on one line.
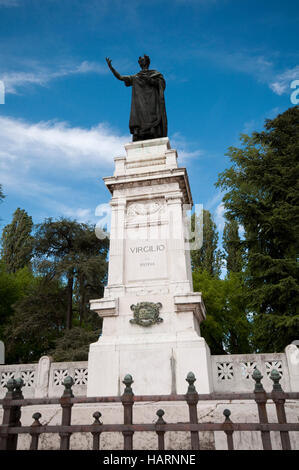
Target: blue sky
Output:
[(228, 65)]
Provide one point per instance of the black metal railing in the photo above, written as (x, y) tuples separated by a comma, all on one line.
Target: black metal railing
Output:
[(12, 404)]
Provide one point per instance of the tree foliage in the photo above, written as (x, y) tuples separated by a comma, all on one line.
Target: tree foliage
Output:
[(74, 344), (37, 321), (39, 306), (262, 194), (208, 257), (226, 328), (233, 248), (17, 241), (13, 287), (70, 251)]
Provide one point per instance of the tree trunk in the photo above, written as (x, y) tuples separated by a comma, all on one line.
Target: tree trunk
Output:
[(69, 313)]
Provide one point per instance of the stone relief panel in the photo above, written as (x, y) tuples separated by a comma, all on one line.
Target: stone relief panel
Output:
[(247, 369), (270, 365), (225, 370), (59, 376), (145, 207), (81, 376), (28, 377), (5, 376)]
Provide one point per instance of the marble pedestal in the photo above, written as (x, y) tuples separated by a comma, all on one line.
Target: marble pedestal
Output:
[(151, 316)]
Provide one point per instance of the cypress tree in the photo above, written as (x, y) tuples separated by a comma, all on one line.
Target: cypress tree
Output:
[(208, 257), (17, 241), (232, 247)]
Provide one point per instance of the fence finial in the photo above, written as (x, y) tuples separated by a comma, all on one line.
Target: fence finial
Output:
[(68, 383), (191, 379), (36, 416), (18, 387), (160, 413), (275, 377), (10, 385), (257, 377), (227, 414), (128, 380), (96, 417)]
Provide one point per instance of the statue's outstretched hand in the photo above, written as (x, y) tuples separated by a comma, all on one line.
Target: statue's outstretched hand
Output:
[(109, 61)]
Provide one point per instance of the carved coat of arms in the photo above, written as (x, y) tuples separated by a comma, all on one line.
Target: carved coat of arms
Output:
[(146, 313)]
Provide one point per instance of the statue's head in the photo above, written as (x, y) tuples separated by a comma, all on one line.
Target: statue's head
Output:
[(144, 61)]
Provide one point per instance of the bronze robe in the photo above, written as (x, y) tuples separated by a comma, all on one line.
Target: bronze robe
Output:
[(148, 114)]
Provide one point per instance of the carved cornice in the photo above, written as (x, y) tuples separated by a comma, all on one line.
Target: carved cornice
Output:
[(175, 175)]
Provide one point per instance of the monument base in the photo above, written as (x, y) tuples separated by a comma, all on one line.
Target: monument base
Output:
[(159, 366), (151, 316)]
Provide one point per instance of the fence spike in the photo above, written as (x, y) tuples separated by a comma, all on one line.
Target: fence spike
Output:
[(257, 377), (275, 377), (191, 379), (128, 380)]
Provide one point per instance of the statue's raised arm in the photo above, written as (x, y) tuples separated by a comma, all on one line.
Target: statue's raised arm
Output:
[(115, 72), (148, 118)]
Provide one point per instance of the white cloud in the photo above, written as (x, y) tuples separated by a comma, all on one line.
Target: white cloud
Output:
[(282, 82), (217, 209), (260, 65), (47, 145), (40, 75), (180, 143), (49, 161), (219, 217)]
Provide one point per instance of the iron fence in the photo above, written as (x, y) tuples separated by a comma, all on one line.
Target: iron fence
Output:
[(12, 404)]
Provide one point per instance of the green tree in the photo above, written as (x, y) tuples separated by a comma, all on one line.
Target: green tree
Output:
[(262, 194), (37, 321), (208, 257), (70, 251), (17, 241), (13, 287), (233, 251), (74, 344), (226, 328)]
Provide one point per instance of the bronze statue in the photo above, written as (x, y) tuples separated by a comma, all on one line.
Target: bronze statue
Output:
[(148, 114)]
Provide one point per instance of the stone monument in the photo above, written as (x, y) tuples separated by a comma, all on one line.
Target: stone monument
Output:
[(151, 316)]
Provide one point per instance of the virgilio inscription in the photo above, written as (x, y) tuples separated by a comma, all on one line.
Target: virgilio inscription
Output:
[(146, 260)]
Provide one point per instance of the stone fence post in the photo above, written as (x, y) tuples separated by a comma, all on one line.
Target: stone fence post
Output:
[(2, 353), (42, 377), (292, 356)]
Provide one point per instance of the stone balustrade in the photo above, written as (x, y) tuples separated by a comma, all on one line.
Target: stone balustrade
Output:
[(231, 373)]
